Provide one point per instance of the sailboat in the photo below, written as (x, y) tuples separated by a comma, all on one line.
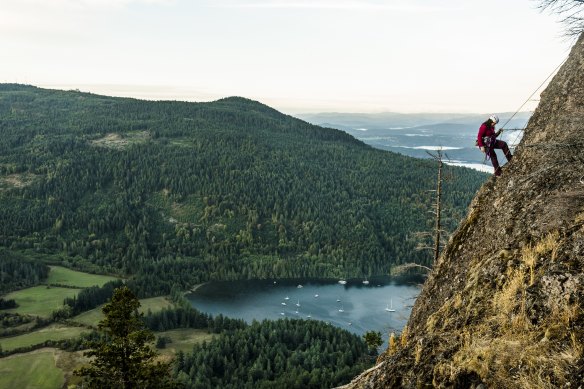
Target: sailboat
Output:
[(390, 308), (341, 309), (286, 298), (365, 281), (342, 282), (298, 303)]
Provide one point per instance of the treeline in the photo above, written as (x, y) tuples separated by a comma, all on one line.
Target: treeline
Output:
[(183, 316), (188, 317), (12, 324), (142, 286), (192, 192), (17, 272), (275, 354), (91, 297), (7, 304)]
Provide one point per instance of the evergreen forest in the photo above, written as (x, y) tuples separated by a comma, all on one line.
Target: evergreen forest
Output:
[(275, 354), (170, 192)]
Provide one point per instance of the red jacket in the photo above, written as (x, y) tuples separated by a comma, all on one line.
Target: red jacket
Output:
[(485, 131)]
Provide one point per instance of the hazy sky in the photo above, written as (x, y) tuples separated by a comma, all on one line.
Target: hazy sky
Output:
[(295, 55)]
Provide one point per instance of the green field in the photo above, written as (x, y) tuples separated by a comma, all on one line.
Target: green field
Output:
[(40, 300), (183, 339), (155, 304), (90, 318), (52, 332), (31, 370), (93, 316), (63, 276)]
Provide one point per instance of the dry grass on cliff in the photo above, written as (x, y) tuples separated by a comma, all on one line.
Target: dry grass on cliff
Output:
[(508, 349)]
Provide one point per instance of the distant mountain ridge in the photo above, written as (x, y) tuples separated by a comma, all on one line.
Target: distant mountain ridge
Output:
[(177, 192), (393, 120), (413, 134)]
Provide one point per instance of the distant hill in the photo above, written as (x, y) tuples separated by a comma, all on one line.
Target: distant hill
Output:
[(187, 192)]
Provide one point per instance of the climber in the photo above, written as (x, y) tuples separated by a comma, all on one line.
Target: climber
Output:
[(487, 142)]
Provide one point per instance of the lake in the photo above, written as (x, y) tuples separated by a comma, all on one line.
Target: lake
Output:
[(383, 305)]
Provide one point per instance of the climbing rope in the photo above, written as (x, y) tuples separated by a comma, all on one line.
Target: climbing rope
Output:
[(529, 99), (518, 130)]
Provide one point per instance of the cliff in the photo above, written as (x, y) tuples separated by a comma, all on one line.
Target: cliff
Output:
[(503, 307)]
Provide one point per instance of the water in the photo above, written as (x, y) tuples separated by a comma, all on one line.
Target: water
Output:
[(354, 306)]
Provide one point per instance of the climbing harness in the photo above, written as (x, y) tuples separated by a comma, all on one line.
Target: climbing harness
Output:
[(487, 142)]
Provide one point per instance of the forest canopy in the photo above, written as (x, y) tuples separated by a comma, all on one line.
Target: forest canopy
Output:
[(187, 192)]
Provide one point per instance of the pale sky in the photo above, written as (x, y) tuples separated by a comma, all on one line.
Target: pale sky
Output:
[(294, 55)]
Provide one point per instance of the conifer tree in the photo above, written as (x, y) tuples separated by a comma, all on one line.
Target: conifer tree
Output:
[(373, 340), (123, 357)]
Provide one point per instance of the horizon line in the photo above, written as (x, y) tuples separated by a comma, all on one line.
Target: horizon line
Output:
[(292, 106)]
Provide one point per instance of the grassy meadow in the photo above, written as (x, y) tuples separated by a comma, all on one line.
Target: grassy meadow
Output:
[(36, 370), (93, 316), (40, 300), (53, 368), (52, 332), (63, 276), (154, 304), (183, 339)]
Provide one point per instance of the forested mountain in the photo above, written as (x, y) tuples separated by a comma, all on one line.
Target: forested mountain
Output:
[(187, 192)]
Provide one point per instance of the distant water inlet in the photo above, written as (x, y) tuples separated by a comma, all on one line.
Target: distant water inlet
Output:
[(378, 304)]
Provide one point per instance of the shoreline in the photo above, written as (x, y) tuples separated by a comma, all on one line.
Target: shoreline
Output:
[(195, 288)]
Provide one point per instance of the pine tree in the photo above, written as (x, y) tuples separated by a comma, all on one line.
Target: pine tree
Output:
[(123, 358), (373, 340)]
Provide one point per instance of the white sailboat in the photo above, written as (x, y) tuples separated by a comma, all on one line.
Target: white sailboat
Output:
[(390, 307), (341, 309), (342, 282), (298, 303)]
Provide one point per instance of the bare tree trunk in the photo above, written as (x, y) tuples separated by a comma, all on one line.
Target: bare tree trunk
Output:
[(438, 209)]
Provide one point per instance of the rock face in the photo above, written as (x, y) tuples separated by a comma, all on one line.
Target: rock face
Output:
[(503, 307)]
